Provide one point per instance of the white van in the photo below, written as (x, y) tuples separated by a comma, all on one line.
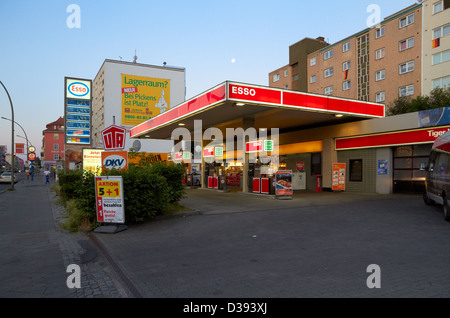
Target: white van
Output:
[(437, 183)]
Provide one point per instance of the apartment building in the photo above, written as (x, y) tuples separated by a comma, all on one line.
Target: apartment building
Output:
[(294, 75), (436, 45), (378, 64), (129, 93), (52, 150)]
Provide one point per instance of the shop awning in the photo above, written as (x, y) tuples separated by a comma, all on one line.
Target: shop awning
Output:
[(226, 104)]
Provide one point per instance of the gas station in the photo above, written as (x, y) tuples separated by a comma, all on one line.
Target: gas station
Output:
[(258, 139)]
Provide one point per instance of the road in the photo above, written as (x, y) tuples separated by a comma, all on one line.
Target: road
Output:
[(320, 246)]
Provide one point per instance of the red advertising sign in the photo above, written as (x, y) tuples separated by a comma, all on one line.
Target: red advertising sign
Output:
[(129, 90), (31, 156), (300, 165), (109, 199), (338, 177), (114, 138), (283, 185), (254, 146), (20, 148), (208, 152), (426, 135), (255, 94)]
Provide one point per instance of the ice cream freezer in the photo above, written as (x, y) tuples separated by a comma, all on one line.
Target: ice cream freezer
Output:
[(299, 180)]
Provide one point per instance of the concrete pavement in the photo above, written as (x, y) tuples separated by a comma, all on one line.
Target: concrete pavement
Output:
[(35, 251)]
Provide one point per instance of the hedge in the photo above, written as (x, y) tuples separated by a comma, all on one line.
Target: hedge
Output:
[(148, 190)]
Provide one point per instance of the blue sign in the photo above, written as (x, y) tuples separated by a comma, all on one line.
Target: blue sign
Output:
[(77, 102), (382, 167), (78, 110), (434, 117), (71, 117), (78, 133), (78, 125)]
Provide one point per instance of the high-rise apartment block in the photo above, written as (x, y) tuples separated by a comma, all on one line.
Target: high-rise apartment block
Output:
[(403, 55)]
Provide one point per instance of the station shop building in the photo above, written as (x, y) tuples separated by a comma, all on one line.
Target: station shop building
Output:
[(310, 133)]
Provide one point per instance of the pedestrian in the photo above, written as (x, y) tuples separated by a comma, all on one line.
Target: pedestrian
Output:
[(32, 172), (47, 175)]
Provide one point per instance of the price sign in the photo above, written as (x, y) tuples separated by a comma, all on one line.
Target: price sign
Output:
[(109, 198)]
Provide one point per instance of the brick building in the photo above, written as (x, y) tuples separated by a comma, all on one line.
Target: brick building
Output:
[(53, 145)]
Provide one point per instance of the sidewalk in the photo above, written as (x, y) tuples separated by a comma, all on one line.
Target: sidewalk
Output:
[(35, 250)]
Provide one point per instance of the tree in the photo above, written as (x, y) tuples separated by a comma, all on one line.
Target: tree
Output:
[(439, 97)]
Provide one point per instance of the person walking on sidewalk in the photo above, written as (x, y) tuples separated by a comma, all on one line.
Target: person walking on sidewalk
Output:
[(47, 176)]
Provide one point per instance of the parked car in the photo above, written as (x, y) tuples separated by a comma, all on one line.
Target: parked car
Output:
[(5, 177), (437, 182)]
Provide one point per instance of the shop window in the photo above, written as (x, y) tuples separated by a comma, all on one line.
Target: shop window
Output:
[(316, 164), (355, 170)]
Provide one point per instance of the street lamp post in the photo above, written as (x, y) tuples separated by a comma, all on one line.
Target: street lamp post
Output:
[(12, 137)]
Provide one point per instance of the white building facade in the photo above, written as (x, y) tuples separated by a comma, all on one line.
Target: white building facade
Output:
[(127, 93)]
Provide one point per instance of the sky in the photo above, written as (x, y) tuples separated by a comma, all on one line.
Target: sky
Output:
[(215, 40)]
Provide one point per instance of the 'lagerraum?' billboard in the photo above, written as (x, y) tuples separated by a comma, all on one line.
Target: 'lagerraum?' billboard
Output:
[(143, 98)]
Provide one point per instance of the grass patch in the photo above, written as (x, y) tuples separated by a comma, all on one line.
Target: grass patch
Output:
[(176, 208)]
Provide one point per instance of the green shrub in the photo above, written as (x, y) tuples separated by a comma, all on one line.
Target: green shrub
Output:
[(148, 191)]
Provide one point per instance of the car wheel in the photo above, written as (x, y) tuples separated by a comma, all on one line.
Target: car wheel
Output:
[(427, 199), (446, 210)]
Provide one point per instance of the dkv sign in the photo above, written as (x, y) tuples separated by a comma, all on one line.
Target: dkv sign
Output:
[(117, 160)]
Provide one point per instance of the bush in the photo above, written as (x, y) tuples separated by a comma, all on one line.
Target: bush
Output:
[(148, 191), (173, 174)]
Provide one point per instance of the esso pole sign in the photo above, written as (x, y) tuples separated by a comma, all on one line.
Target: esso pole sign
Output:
[(110, 204)]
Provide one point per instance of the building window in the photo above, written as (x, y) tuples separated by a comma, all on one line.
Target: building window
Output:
[(356, 172), (316, 164), (276, 77), (328, 54), (379, 54), (406, 91), (329, 90), (404, 22), (286, 73), (406, 67), (55, 157), (328, 72), (346, 47), (55, 147), (55, 136), (443, 82), (313, 79), (379, 32), (380, 75), (380, 97), (438, 7), (441, 31), (312, 62), (406, 44), (346, 66), (346, 85), (441, 57)]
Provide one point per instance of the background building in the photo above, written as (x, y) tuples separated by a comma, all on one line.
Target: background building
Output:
[(128, 93), (436, 45), (403, 55), (377, 64), (294, 75), (53, 145)]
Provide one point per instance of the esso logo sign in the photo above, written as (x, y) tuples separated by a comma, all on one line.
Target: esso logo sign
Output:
[(243, 91), (116, 162), (78, 89)]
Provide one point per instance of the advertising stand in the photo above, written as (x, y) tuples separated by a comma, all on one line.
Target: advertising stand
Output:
[(110, 203), (283, 184)]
